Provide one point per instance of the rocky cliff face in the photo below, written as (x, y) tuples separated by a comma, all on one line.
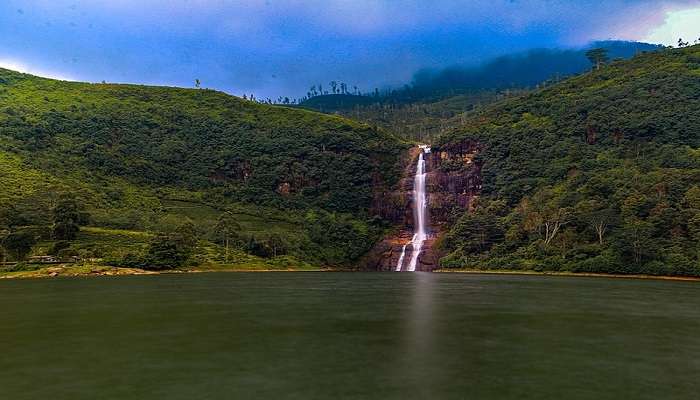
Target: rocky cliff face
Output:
[(453, 182), (454, 179), (395, 205)]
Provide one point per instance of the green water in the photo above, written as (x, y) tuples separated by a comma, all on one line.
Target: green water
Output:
[(349, 335)]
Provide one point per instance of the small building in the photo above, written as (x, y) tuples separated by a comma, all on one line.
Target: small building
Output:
[(51, 260), (43, 259)]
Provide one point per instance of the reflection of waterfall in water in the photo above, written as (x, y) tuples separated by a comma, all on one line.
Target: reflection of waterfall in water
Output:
[(419, 213), (420, 345)]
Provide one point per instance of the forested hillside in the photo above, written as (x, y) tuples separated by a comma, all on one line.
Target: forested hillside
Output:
[(437, 100), (197, 166), (421, 121), (600, 173)]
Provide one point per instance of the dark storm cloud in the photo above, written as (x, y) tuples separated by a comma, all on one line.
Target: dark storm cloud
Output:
[(275, 47)]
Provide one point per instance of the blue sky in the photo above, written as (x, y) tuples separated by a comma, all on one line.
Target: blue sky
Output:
[(281, 47)]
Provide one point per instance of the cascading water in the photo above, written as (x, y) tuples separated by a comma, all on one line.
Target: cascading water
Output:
[(419, 214), (401, 257)]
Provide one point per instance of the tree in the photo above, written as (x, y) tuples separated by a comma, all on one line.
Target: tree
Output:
[(566, 240), (597, 216), (257, 247), (637, 238), (186, 235), (478, 231), (66, 219), (165, 252), (597, 56), (4, 233), (694, 231), (692, 197), (172, 250), (227, 229), (19, 244), (544, 214), (276, 244)]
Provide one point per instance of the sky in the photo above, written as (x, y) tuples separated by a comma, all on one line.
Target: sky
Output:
[(281, 47)]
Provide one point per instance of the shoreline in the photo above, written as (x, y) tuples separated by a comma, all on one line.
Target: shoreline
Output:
[(570, 274), (99, 271)]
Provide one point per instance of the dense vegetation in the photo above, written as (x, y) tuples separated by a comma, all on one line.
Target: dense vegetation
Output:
[(600, 173), (197, 175), (437, 100), (422, 121)]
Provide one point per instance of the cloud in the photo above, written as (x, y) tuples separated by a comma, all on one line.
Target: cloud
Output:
[(362, 17), (280, 47), (683, 24)]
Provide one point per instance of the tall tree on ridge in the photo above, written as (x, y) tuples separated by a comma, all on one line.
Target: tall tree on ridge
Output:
[(597, 56)]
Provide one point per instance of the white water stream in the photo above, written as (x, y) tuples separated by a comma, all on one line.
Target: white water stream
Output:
[(401, 257), (419, 214)]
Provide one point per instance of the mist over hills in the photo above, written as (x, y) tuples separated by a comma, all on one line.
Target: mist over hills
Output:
[(518, 70), (526, 69)]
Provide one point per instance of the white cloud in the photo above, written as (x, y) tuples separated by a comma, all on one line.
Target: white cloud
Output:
[(678, 24)]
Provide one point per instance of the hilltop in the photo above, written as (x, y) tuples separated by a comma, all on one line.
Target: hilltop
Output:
[(141, 162), (437, 100), (599, 173)]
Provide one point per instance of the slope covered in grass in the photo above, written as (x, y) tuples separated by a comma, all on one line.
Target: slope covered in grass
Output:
[(128, 152), (600, 173)]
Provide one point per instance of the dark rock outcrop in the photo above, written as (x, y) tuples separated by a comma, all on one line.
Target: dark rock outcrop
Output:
[(395, 205), (454, 180)]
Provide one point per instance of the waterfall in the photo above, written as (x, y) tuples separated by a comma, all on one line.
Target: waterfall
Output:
[(419, 213), (401, 257)]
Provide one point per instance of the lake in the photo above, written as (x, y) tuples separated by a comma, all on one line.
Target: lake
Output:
[(349, 336)]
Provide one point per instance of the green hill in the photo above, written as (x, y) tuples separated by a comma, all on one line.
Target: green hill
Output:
[(422, 121), (147, 159), (337, 102), (436, 101), (600, 173)]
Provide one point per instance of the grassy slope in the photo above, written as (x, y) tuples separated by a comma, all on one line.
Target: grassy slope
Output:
[(621, 142), (143, 158)]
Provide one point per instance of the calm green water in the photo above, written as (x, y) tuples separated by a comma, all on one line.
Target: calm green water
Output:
[(349, 335)]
